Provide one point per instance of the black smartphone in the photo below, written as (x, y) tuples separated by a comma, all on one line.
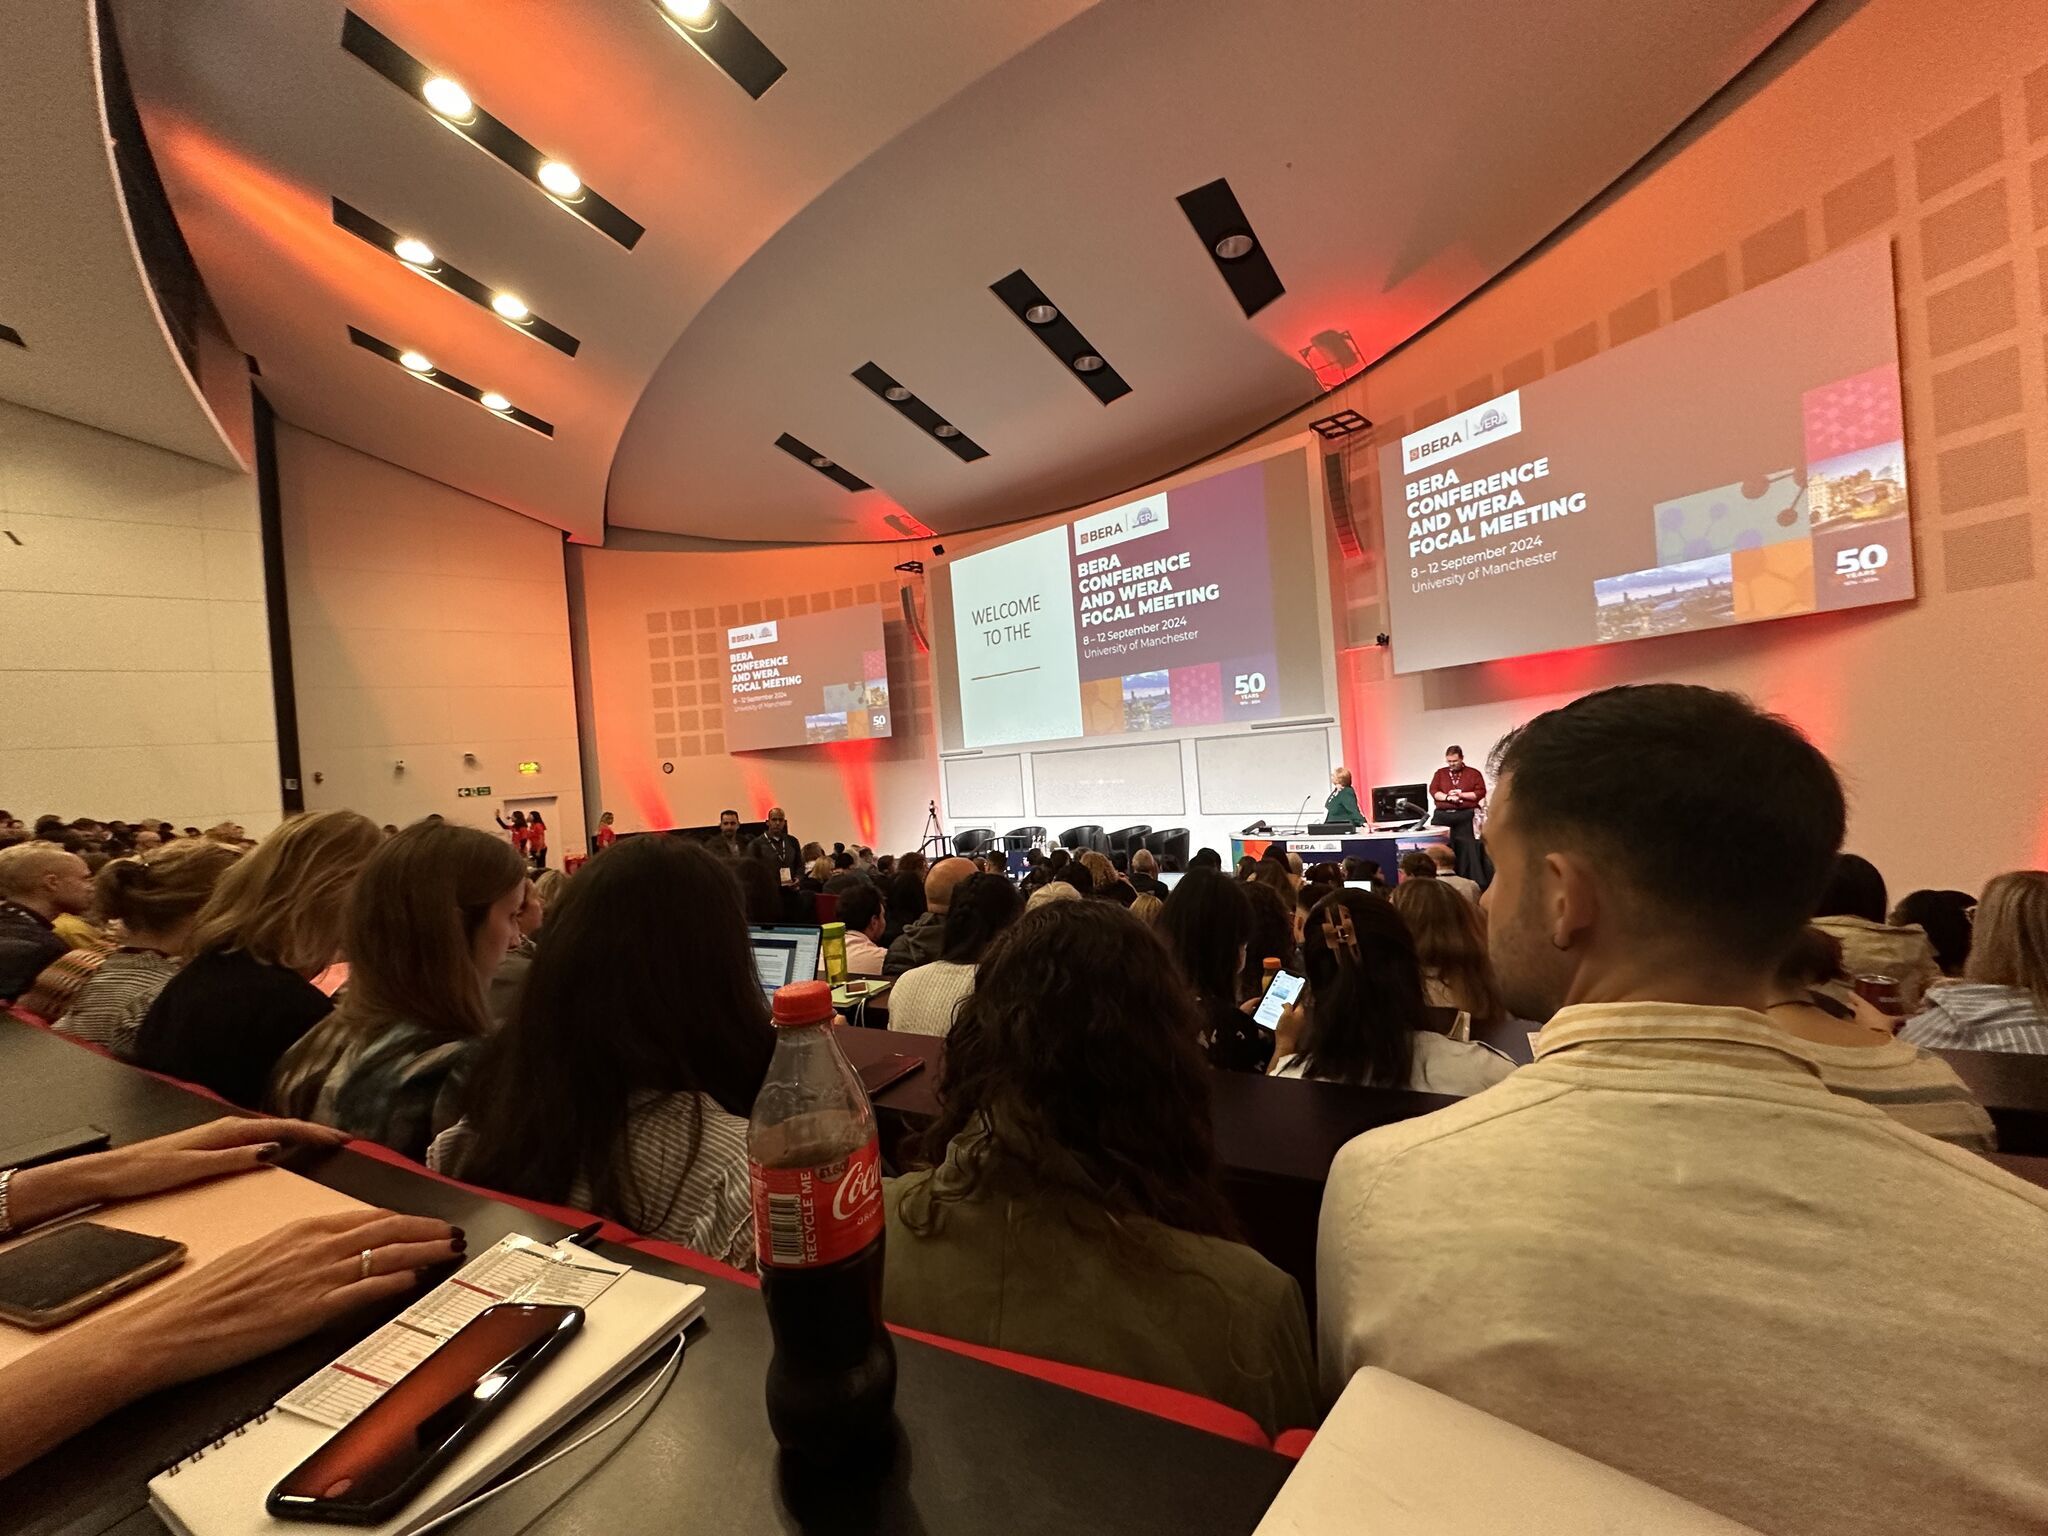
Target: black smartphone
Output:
[(64, 1274), (389, 1451), (51, 1149), (884, 1070)]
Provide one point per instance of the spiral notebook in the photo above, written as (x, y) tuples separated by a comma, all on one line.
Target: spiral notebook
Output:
[(219, 1489)]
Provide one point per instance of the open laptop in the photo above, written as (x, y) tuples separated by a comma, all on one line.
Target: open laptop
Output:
[(1169, 878), (783, 955)]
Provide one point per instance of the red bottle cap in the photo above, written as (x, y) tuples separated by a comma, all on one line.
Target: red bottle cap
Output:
[(801, 1003)]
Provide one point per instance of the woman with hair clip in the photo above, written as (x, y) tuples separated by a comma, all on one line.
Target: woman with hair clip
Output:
[(1365, 1021), (623, 1083), (1074, 1212), (435, 912), (273, 923), (156, 900)]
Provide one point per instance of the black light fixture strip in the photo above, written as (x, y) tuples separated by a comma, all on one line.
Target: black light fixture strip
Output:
[(449, 276), (797, 449), (443, 379), (1213, 210), (1061, 336), (728, 43), (481, 129), (12, 337), (914, 410)]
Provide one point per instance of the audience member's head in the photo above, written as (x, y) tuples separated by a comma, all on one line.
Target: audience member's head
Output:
[(913, 864), (1946, 917), (2011, 944), (821, 869), (1814, 960), (1417, 865), (1143, 863), (1078, 876), (728, 823), (760, 890), (778, 822), (1854, 889), (157, 897), (886, 864), (982, 906), (1443, 856), (1100, 871), (842, 860), (1206, 858), (1246, 867), (1273, 874), (1146, 908), (1365, 992), (45, 879), (1356, 868), (613, 1009), (1271, 937), (945, 878), (1052, 890), (1073, 1064), (1206, 924), (1294, 865), (860, 908), (906, 898), (550, 885), (1666, 902), (286, 901), (1450, 941), (1119, 860)]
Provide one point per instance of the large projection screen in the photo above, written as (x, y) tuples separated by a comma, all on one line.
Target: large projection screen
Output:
[(1198, 605), (1741, 464)]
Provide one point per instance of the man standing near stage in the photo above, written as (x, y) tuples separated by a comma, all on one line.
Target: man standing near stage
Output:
[(1457, 792), (775, 847)]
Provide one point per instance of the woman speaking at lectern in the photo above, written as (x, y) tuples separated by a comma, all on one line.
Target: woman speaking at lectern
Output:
[(1342, 806)]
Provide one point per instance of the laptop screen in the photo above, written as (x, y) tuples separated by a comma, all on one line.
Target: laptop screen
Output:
[(1169, 880), (784, 955)]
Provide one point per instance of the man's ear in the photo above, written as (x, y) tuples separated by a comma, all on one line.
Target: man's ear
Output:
[(1571, 898)]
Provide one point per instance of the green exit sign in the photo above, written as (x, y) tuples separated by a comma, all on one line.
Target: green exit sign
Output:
[(474, 792)]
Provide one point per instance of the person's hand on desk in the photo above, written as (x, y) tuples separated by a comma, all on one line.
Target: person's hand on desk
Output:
[(246, 1303), (235, 1144)]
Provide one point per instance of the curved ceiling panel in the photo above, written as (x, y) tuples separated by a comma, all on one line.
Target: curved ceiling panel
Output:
[(93, 346), (1390, 158)]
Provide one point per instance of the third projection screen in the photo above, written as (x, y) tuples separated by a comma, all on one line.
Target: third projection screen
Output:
[(1744, 463), (1188, 608)]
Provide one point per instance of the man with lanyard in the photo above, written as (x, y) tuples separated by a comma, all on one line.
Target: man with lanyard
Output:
[(776, 847), (1457, 792)]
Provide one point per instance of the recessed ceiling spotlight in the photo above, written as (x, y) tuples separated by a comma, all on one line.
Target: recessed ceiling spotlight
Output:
[(945, 429), (416, 361), (414, 252), (558, 178), (896, 392), (1041, 314), (1087, 362), (510, 306), (692, 13), (819, 461), (417, 365), (1235, 247), (447, 98), (1228, 239), (491, 400)]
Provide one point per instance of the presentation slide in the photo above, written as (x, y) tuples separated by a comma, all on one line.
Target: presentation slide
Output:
[(1186, 608), (817, 677), (1744, 463)]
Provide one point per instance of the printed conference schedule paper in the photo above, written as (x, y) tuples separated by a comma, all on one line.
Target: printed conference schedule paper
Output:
[(517, 1269)]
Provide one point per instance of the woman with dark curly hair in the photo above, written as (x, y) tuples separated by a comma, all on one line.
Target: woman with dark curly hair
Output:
[(1075, 1212)]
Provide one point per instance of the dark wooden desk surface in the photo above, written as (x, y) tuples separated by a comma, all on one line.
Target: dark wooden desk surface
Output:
[(981, 1449)]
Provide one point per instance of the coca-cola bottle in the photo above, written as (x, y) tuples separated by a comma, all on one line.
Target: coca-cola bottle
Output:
[(816, 1171)]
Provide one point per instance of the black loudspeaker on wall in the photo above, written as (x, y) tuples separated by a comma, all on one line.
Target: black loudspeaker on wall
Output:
[(1337, 491), (908, 596)]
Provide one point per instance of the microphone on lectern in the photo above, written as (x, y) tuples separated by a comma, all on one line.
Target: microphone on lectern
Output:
[(1302, 810)]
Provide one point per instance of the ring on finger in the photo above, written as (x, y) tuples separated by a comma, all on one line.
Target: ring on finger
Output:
[(363, 1264)]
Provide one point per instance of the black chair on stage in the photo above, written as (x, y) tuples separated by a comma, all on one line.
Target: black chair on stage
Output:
[(1082, 839), (971, 840), (1124, 839), (1170, 846), (1023, 839)]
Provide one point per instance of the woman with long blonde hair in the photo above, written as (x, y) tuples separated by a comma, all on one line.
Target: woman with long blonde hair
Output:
[(2001, 1004), (272, 924)]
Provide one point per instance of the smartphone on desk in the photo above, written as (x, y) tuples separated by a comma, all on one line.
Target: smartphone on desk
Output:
[(1279, 997), (49, 1280), (885, 1070), (388, 1453)]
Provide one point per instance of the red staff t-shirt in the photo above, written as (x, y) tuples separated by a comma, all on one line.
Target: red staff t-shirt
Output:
[(1447, 781)]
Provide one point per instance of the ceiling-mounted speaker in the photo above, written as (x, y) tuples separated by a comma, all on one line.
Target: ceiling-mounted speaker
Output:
[(908, 596), (1337, 491)]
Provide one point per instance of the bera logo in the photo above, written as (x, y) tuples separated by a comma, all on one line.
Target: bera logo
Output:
[(751, 634), (1487, 422), (1138, 520)]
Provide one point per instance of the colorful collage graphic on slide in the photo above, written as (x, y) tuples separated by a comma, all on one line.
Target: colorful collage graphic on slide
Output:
[(1829, 534)]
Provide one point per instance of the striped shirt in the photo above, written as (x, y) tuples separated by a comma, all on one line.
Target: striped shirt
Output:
[(1980, 1016), (705, 1205), (107, 1010), (1685, 1257), (1913, 1086), (926, 997)]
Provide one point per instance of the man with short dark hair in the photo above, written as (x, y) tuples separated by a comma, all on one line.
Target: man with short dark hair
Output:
[(860, 908), (1205, 858), (1456, 793), (1417, 865), (1696, 1257), (728, 840)]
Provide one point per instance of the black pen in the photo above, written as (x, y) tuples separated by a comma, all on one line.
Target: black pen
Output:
[(585, 1237)]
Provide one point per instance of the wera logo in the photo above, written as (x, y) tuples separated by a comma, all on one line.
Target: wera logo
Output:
[(1485, 423)]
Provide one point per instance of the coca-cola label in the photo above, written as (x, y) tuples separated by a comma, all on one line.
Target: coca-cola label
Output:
[(806, 1217)]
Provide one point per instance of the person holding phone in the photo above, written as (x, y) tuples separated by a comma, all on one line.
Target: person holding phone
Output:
[(246, 1303)]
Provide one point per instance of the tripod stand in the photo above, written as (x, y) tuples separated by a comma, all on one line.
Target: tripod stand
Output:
[(936, 844)]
